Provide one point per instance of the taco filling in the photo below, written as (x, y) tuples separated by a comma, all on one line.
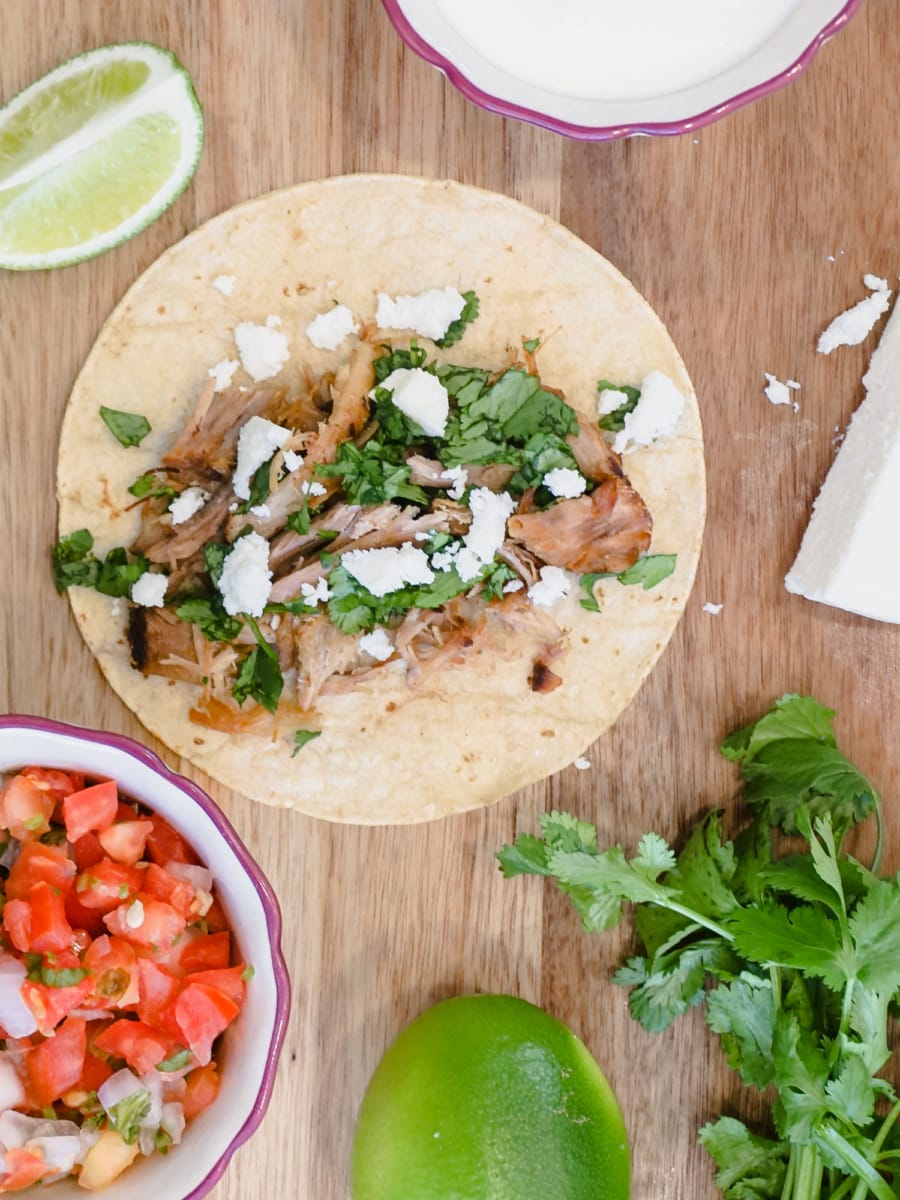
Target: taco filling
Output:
[(389, 515)]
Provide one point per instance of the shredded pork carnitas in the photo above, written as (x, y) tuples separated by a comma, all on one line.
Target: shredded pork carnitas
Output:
[(310, 521)]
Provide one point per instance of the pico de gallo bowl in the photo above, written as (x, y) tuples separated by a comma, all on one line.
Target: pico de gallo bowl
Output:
[(143, 995)]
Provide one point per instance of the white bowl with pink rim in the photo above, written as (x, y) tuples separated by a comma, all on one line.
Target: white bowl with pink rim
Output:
[(602, 69), (251, 1046)]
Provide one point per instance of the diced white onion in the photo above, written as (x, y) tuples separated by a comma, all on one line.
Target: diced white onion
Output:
[(12, 1090), (198, 877), (118, 1088), (16, 1129), (60, 1153), (173, 1121), (15, 1015)]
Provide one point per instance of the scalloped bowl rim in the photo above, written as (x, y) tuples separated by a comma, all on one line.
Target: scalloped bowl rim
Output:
[(601, 133), (115, 748)]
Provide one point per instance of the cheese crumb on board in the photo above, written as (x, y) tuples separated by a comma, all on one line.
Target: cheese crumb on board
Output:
[(780, 393), (850, 553), (582, 764), (712, 609), (854, 326)]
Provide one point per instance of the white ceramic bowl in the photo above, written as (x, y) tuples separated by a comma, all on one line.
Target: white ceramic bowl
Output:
[(424, 26), (250, 1047)]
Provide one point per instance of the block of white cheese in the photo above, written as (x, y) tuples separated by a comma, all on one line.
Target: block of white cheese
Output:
[(850, 553)]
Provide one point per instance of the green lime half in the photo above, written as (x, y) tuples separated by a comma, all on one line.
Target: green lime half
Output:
[(489, 1098), (91, 153)]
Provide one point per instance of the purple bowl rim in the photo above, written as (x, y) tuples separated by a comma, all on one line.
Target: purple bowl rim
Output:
[(271, 909), (604, 133)]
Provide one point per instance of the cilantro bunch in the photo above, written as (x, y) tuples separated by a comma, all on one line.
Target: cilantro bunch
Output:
[(792, 948)]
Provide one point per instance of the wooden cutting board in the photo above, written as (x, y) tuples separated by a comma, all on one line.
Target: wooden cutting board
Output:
[(747, 237)]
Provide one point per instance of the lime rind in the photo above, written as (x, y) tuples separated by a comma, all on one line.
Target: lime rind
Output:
[(166, 92)]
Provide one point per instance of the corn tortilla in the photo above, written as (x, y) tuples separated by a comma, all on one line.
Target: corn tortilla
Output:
[(463, 737)]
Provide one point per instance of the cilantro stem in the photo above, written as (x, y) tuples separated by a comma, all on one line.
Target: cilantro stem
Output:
[(697, 918), (864, 1171), (879, 839), (266, 647), (886, 1126)]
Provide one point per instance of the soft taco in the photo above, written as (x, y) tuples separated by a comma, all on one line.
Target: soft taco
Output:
[(375, 574)]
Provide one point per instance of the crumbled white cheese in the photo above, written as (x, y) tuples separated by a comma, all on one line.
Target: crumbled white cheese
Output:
[(246, 581), (149, 590), (854, 326), (554, 584), (656, 414), (316, 593), (713, 609), (514, 585), (388, 568), (225, 284), (420, 396), (261, 510), (263, 349), (780, 393), (330, 328), (582, 764), (188, 502), (443, 560), (377, 645), (850, 553), (292, 461), (609, 400), (223, 373), (486, 534), (565, 482), (459, 478), (430, 313), (134, 914), (257, 442), (313, 489)]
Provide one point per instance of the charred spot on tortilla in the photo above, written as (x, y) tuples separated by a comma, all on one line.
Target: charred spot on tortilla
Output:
[(364, 571)]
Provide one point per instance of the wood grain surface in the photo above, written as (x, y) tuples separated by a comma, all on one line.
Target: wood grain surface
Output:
[(747, 237)]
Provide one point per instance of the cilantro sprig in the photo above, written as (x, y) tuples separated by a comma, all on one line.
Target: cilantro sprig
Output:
[(794, 956)]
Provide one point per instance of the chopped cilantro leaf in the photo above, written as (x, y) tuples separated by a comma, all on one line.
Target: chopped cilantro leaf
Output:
[(647, 571), (117, 574), (260, 679), (181, 1058), (248, 973), (129, 429), (127, 1115), (62, 978), (531, 344), (73, 563), (299, 521), (147, 486), (614, 422), (394, 359), (302, 736), (211, 617), (260, 486), (458, 327), (214, 555), (373, 474)]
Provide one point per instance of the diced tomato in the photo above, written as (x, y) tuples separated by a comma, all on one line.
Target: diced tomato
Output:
[(58, 783), (115, 979), (158, 987), (166, 844), (49, 1003), (25, 808), (88, 920), (124, 841), (200, 1014), (50, 929), (57, 1063), (206, 953), (106, 885), (127, 812), (90, 810), (23, 1168), (37, 863), (202, 1087), (159, 883), (17, 924), (87, 851), (159, 923), (229, 981), (142, 1046), (94, 1074), (215, 917)]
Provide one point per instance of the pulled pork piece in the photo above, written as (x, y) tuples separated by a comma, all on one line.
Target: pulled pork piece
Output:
[(428, 472), (161, 644), (542, 679), (208, 443), (322, 650), (175, 543), (605, 531), (595, 457)]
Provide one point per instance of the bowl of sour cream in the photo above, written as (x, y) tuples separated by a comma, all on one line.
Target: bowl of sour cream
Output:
[(603, 69)]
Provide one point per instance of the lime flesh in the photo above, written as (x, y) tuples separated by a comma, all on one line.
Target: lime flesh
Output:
[(94, 151), (489, 1098)]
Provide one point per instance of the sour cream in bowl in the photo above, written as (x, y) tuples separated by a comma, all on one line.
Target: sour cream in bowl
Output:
[(143, 991), (601, 69)]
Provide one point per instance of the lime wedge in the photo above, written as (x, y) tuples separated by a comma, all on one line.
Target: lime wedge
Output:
[(93, 152)]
